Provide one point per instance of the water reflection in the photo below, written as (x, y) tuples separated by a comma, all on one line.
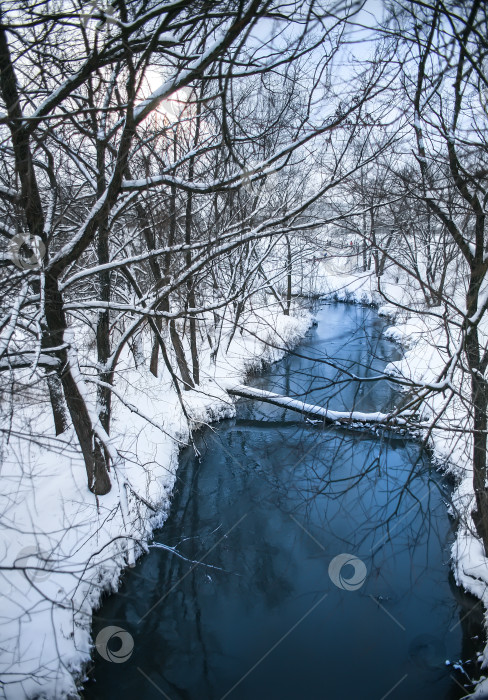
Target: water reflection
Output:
[(268, 506)]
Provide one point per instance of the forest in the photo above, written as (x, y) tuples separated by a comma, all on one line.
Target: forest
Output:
[(179, 183)]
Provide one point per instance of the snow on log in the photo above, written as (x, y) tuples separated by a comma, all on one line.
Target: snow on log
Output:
[(309, 409)]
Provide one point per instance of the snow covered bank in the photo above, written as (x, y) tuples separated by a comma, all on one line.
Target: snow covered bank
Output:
[(427, 352), (62, 547)]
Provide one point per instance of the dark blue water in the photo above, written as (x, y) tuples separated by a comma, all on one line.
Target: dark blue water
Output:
[(272, 612)]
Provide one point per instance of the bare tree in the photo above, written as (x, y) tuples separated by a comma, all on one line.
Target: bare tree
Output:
[(92, 163), (437, 199)]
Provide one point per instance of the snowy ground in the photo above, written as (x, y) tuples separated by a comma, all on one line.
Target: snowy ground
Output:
[(68, 548), (423, 339)]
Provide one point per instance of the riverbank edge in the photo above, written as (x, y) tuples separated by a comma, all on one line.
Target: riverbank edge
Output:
[(468, 561), (284, 332), (46, 622)]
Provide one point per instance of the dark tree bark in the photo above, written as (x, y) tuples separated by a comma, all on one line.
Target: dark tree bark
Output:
[(288, 276), (53, 337)]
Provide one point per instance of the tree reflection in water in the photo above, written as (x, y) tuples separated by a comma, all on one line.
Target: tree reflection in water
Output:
[(271, 502)]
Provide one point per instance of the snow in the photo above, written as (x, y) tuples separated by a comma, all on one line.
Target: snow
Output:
[(61, 547), (327, 414), (425, 355)]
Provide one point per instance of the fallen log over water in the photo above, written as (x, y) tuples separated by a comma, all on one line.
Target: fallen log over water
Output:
[(327, 415)]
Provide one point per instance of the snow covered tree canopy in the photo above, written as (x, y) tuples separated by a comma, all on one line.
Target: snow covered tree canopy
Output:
[(172, 176), (153, 155)]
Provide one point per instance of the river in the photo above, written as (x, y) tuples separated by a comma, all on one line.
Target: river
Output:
[(325, 552)]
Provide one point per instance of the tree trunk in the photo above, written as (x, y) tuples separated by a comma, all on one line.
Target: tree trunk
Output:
[(57, 403), (180, 356), (153, 363), (327, 415), (381, 265), (191, 300), (479, 394), (479, 398), (288, 276), (372, 236), (103, 338), (96, 461), (104, 394)]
